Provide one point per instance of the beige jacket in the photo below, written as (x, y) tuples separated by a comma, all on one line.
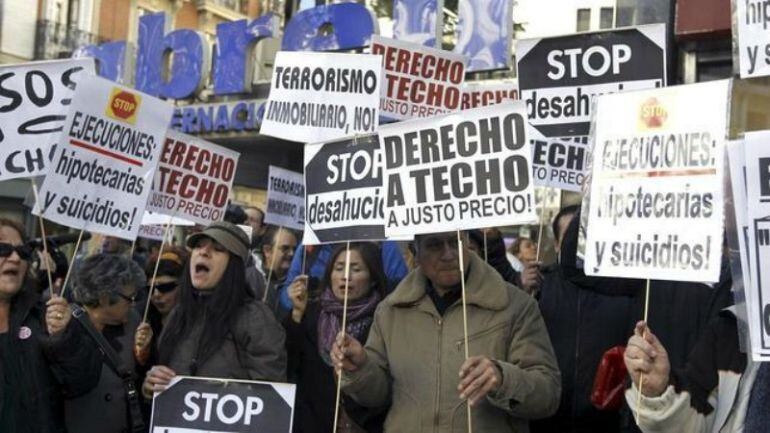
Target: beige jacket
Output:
[(414, 357)]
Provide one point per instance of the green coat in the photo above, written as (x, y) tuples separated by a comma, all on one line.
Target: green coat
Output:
[(414, 357)]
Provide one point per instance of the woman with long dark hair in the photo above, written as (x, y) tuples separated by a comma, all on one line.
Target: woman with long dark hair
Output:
[(218, 328), (312, 328)]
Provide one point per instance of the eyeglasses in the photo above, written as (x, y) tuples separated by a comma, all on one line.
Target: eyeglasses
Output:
[(130, 299), (163, 288), (24, 251)]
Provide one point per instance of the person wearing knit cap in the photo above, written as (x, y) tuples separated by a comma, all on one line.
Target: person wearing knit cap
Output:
[(218, 329)]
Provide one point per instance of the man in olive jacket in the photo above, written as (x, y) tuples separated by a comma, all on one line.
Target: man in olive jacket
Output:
[(415, 355)]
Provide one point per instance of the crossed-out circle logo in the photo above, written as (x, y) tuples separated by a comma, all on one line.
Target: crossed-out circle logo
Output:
[(652, 114), (123, 105)]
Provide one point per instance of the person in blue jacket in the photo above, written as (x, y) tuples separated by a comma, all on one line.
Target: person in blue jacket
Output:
[(318, 257)]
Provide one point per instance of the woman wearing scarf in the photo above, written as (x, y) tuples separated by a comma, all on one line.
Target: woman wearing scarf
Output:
[(311, 329)]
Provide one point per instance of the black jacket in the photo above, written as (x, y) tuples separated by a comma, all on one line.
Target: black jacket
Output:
[(316, 384), (95, 398), (582, 324), (25, 372)]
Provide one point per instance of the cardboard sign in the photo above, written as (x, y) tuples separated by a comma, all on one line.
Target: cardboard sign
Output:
[(202, 405), (194, 179), (558, 76), (153, 232), (345, 197), (483, 93), (558, 162), (757, 221), (751, 38), (34, 101), (322, 96), (418, 81), (656, 205), (285, 199), (106, 158), (458, 171)]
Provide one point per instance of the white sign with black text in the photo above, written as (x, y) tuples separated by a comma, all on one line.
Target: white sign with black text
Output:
[(458, 171), (285, 198)]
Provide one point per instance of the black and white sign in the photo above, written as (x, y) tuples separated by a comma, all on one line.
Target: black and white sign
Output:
[(458, 171), (345, 196), (322, 96), (558, 162), (34, 101), (285, 198), (752, 38), (558, 76), (197, 405)]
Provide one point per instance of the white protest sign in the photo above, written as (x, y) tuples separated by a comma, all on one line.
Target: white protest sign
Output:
[(558, 162), (285, 198), (656, 207), (102, 171), (345, 197), (34, 101), (458, 171), (418, 81), (752, 39), (322, 96), (194, 179), (558, 76), (482, 93), (757, 165), (152, 218), (203, 405), (153, 232)]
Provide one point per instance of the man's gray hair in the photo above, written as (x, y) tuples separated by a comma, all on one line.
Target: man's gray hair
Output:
[(106, 275)]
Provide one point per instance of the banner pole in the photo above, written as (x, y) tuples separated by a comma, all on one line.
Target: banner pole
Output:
[(465, 315), (133, 246), (272, 263), (155, 271), (486, 255), (343, 328), (304, 257), (42, 236), (72, 262), (540, 230), (644, 334)]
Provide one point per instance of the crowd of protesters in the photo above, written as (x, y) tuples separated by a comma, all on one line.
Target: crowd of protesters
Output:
[(544, 343)]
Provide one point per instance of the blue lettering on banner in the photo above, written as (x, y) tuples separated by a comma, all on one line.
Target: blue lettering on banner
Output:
[(352, 26), (205, 119)]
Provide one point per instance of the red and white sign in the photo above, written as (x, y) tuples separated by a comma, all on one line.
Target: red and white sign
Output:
[(194, 179), (418, 81), (483, 93)]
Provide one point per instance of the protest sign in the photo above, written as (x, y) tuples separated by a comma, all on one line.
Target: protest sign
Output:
[(345, 197), (203, 405), (482, 93), (656, 206), (418, 81), (558, 162), (105, 160), (152, 231), (285, 199), (751, 38), (458, 171), (757, 221), (152, 218), (35, 99), (322, 96), (194, 179), (558, 76)]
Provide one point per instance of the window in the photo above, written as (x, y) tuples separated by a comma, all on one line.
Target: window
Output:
[(606, 18), (583, 20)]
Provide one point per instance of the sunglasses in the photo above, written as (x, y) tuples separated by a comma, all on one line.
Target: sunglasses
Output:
[(24, 251), (130, 299), (163, 288)]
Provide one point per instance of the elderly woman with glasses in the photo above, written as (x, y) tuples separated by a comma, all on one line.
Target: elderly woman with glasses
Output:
[(90, 348)]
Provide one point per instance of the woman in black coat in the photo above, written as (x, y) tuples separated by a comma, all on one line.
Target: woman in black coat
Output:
[(310, 332), (29, 396)]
